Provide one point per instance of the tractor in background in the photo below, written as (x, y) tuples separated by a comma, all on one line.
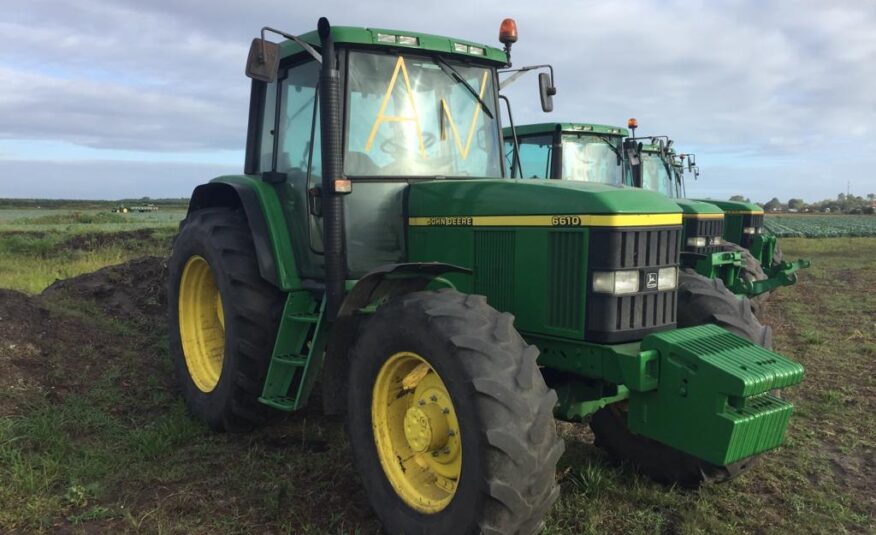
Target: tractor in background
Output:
[(605, 154)]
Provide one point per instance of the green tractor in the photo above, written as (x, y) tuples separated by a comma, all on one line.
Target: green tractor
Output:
[(373, 249), (763, 268), (600, 153)]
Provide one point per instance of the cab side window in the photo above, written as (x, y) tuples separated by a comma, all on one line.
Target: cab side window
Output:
[(296, 124)]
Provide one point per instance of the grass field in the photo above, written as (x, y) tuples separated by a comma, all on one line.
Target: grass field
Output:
[(39, 246), (93, 437)]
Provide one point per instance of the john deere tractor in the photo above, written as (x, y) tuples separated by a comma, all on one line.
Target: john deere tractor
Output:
[(599, 153), (372, 248), (763, 268)]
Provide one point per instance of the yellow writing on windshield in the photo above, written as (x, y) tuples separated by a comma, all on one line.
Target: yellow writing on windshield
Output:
[(381, 117), (445, 109)]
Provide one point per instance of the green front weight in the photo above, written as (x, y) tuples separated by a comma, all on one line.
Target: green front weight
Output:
[(713, 398)]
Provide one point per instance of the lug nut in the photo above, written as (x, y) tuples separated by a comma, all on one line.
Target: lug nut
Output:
[(451, 433), (434, 398)]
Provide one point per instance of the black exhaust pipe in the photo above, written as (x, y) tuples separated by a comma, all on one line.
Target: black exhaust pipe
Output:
[(332, 169)]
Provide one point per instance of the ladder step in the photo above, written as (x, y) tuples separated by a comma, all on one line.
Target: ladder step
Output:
[(283, 403), (308, 318), (298, 361)]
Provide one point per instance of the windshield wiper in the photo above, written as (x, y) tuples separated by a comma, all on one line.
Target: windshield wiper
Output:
[(453, 73), (614, 149)]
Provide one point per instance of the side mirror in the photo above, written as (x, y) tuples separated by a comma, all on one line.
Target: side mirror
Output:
[(263, 60), (547, 91)]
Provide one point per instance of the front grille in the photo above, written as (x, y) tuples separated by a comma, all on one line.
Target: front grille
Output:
[(710, 228), (615, 319), (750, 220)]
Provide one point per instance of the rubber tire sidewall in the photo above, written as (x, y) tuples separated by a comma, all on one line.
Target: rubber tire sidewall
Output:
[(212, 407), (372, 350)]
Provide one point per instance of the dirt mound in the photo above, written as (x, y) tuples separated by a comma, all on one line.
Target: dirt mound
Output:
[(92, 241), (21, 368), (134, 290)]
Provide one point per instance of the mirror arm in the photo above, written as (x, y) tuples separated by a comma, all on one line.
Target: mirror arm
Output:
[(300, 42), (523, 70)]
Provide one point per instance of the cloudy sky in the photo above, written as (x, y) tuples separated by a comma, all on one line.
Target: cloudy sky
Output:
[(131, 98)]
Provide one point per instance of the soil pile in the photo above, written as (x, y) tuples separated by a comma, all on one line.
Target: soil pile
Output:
[(134, 291)]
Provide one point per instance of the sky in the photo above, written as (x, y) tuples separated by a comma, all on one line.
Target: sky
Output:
[(128, 98)]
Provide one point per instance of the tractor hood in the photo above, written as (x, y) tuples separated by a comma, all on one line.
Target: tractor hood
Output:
[(498, 197), (735, 207), (692, 208)]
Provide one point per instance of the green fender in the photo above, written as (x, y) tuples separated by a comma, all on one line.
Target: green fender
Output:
[(270, 230)]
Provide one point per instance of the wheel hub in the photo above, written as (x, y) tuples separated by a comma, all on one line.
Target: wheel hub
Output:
[(426, 428), (416, 432)]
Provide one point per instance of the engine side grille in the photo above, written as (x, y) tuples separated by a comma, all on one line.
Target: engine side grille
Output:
[(565, 251), (494, 267), (615, 319)]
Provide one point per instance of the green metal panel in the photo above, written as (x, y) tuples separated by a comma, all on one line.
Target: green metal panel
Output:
[(574, 128), (348, 35), (278, 229), (713, 397), (692, 207), (530, 197)]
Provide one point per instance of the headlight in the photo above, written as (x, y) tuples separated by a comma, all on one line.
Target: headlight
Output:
[(749, 230), (616, 282), (698, 241), (761, 230), (667, 278), (716, 240)]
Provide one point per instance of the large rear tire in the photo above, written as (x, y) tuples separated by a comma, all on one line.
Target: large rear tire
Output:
[(700, 301), (223, 319), (450, 422)]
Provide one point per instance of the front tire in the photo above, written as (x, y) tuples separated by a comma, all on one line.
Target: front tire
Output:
[(700, 301), (223, 319), (451, 424)]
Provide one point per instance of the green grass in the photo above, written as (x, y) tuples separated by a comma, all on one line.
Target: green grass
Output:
[(99, 441), (38, 247)]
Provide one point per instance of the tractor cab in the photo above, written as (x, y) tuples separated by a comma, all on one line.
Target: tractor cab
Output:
[(569, 151)]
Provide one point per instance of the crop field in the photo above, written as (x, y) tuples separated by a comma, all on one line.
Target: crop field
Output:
[(821, 226), (95, 439)]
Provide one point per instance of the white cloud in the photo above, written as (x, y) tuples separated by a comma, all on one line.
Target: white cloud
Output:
[(764, 92)]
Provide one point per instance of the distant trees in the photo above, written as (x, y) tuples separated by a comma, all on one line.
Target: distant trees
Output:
[(796, 204), (849, 204), (739, 198), (773, 204)]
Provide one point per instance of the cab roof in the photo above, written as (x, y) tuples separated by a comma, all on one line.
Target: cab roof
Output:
[(379, 37), (583, 128)]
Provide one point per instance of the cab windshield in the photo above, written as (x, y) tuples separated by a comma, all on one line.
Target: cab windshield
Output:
[(655, 177), (408, 116), (589, 158)]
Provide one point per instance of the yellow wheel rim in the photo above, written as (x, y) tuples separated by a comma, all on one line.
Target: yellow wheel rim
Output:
[(416, 432), (201, 324)]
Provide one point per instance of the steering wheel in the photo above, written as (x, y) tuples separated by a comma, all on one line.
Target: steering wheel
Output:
[(392, 148)]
